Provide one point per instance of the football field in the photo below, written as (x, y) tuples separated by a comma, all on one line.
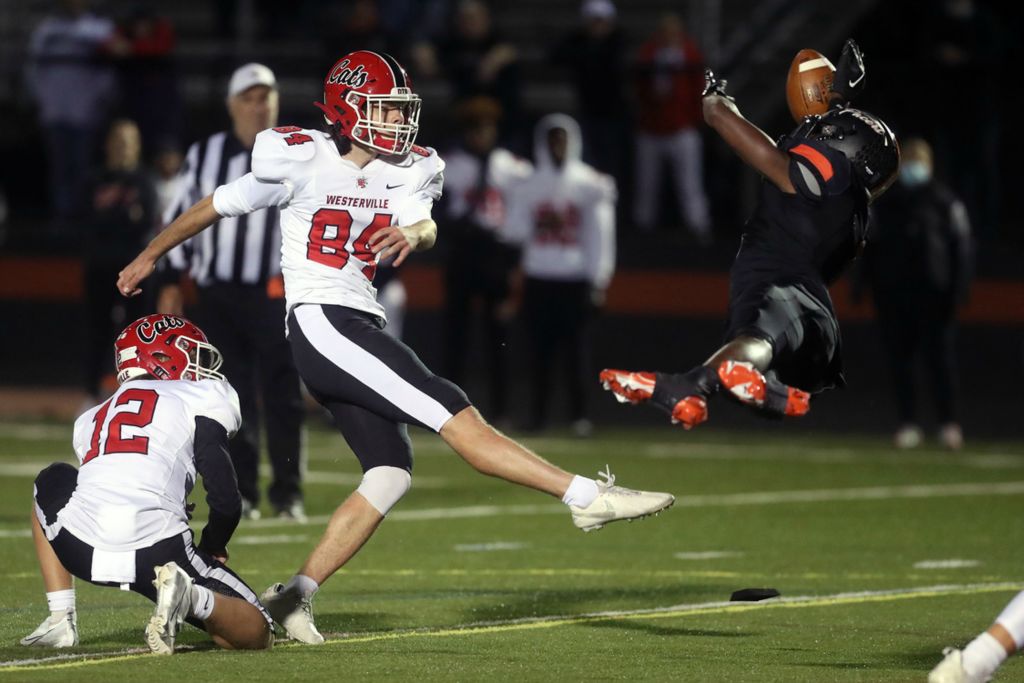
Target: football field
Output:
[(881, 557)]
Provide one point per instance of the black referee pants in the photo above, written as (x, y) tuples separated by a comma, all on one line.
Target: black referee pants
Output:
[(248, 328)]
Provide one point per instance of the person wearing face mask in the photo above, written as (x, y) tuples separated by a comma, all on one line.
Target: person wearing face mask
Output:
[(918, 266)]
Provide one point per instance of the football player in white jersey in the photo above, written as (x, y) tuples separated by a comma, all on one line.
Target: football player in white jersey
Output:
[(121, 519), (351, 196)]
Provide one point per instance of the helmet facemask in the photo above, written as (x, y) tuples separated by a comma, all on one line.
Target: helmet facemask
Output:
[(204, 360), (372, 128)]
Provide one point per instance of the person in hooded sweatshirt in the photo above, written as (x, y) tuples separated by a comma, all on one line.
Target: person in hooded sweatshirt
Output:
[(563, 215)]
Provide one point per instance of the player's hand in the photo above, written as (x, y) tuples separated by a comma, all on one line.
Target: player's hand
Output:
[(135, 272), (849, 78), (394, 242), (223, 559), (714, 85)]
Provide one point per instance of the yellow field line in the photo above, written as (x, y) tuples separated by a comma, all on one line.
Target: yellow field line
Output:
[(552, 622)]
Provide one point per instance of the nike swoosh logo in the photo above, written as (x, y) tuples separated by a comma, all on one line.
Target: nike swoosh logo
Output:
[(391, 187), (854, 83)]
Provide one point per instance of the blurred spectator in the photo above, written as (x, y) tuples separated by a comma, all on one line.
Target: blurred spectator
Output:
[(144, 45), (355, 26), (71, 79), (963, 64), (669, 80), (118, 218), (918, 267), (166, 164), (476, 60), (595, 54), (480, 265), (564, 216)]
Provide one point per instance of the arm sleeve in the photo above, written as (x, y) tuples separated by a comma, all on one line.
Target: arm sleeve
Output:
[(817, 171), (225, 502), (248, 194)]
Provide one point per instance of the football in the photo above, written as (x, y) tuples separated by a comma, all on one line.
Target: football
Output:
[(808, 84)]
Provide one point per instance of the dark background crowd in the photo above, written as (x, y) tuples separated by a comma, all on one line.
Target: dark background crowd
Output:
[(110, 95)]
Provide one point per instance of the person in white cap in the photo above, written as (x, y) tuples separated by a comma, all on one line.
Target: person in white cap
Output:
[(236, 268)]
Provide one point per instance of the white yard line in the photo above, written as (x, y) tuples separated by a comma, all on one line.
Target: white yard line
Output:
[(527, 623), (912, 491)]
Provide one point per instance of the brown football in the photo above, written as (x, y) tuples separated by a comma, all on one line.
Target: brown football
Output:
[(808, 84)]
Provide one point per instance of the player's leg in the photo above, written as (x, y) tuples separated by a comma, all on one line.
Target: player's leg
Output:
[(779, 322), (189, 585), (979, 660), (53, 489)]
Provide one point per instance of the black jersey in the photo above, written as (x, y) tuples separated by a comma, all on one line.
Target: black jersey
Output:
[(805, 238)]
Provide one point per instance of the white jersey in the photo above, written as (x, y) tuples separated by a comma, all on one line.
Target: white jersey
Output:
[(564, 216), (330, 208), (463, 187), (137, 460)]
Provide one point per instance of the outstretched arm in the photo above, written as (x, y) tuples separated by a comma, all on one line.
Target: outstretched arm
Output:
[(196, 219), (751, 143)]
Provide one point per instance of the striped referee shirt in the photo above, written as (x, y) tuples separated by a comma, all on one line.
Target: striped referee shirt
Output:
[(240, 250)]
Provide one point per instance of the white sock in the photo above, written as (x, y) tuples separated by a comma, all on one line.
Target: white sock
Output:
[(1012, 619), (306, 586), (581, 492), (60, 601), (982, 656), (202, 602)]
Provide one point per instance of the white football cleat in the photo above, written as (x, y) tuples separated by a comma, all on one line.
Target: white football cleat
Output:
[(951, 669), (616, 502), (57, 630), (173, 605), (294, 612)]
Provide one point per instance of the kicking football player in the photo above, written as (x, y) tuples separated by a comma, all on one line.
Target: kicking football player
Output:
[(782, 339), (979, 660), (121, 519), (352, 196)]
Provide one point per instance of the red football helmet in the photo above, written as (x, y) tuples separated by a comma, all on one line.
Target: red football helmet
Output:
[(166, 347), (358, 93)]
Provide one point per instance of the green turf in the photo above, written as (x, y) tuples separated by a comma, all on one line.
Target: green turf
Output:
[(516, 592)]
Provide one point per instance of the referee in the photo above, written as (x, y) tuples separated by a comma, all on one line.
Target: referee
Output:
[(236, 267)]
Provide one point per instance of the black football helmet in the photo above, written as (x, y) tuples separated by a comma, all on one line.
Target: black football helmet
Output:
[(864, 139)]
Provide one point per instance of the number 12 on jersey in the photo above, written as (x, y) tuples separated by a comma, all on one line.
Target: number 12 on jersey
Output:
[(330, 234), (141, 406)]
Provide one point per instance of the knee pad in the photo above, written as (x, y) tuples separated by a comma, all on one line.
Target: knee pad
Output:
[(384, 486)]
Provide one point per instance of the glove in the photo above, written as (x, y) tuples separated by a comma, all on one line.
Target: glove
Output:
[(849, 78), (714, 86)]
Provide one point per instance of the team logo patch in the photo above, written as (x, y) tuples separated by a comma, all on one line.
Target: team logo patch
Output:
[(361, 182), (149, 331), (353, 78)]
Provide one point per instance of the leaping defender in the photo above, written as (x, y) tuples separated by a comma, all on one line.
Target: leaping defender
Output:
[(782, 339)]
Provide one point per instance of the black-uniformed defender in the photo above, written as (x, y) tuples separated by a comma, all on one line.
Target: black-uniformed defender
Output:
[(782, 340)]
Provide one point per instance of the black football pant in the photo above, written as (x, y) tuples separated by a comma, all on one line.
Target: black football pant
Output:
[(558, 317), (921, 329), (248, 329)]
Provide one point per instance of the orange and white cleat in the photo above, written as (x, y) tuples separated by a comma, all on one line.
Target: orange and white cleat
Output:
[(628, 387), (749, 386), (690, 412)]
